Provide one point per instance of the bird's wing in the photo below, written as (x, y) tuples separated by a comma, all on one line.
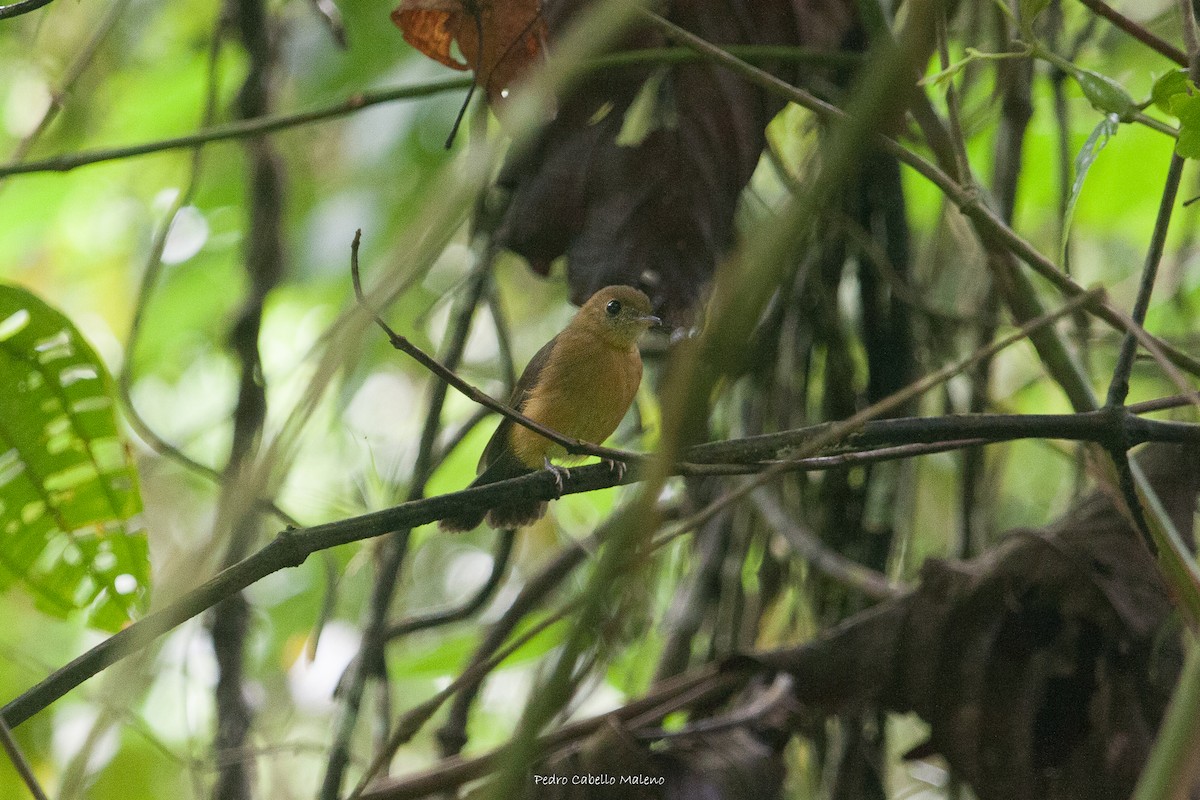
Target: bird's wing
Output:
[(499, 444)]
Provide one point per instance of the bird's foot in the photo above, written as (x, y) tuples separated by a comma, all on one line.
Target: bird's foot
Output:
[(560, 474), (617, 468)]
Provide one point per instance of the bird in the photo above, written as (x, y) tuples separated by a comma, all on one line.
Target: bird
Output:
[(580, 384)]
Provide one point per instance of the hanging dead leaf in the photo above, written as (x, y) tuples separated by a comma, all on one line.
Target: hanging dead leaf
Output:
[(498, 39)]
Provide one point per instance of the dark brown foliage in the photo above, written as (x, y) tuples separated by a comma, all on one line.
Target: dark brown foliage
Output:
[(657, 214), (499, 39), (1043, 668), (614, 765)]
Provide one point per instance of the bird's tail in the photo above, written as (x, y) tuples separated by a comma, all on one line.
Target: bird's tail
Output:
[(514, 513), (461, 522)]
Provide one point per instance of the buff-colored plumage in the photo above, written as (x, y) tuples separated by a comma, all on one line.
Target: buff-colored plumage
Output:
[(580, 383)]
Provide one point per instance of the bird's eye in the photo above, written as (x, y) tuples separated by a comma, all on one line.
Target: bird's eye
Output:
[(613, 308)]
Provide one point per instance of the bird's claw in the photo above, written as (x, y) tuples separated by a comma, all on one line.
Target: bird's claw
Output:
[(560, 474), (617, 468)]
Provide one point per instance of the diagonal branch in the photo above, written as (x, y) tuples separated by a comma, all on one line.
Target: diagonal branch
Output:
[(1138, 32), (23, 7), (361, 100), (1118, 388), (991, 228), (236, 130), (369, 664), (401, 343), (20, 763), (291, 547)]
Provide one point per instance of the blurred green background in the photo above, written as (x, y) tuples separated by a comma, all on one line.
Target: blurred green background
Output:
[(81, 240)]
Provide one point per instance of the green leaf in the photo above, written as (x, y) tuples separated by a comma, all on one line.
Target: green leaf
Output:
[(68, 488), (1099, 137), (1187, 108), (1167, 86), (1106, 95)]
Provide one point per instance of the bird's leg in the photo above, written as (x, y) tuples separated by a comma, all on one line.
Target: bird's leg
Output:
[(615, 467), (560, 474)]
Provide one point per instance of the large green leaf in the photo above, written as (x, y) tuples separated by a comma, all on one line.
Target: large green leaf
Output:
[(1187, 108), (68, 489)]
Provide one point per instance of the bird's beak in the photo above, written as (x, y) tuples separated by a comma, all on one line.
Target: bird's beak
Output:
[(650, 320)]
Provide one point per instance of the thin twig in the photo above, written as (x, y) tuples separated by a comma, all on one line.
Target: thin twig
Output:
[(1137, 31), (461, 432), (401, 343), (19, 763), (23, 7), (957, 139), (503, 337), (811, 549), (415, 718), (236, 130), (1159, 404), (968, 199), (452, 735), (74, 72), (961, 430), (359, 101), (780, 693), (370, 662), (1187, 392), (290, 548), (500, 558), (1191, 36), (1118, 388)]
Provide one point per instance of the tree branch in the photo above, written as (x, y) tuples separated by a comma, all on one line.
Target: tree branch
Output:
[(361, 100), (264, 264), (1118, 388), (291, 547), (1144, 36), (20, 764), (236, 130), (370, 664), (811, 549), (401, 343), (989, 226), (23, 7)]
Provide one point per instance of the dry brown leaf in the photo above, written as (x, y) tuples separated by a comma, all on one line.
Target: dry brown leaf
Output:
[(511, 33)]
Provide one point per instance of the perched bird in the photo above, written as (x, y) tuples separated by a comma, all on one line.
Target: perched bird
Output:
[(580, 384)]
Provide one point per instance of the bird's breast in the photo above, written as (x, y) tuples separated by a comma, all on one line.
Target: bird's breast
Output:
[(583, 392)]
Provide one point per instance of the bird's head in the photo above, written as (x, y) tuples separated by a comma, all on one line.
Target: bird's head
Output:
[(618, 314)]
